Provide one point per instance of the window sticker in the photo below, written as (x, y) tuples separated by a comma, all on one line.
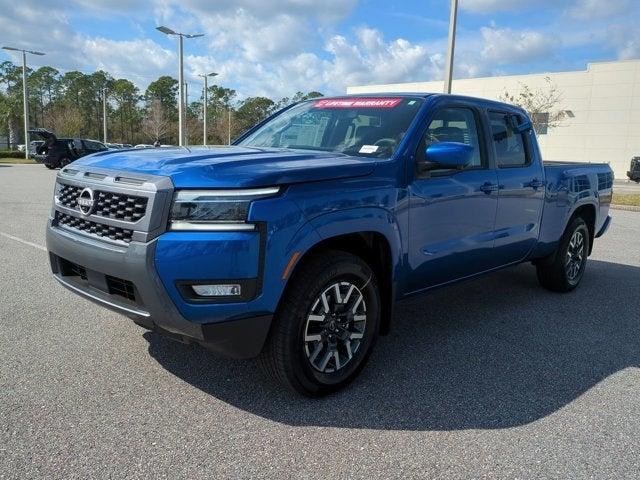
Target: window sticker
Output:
[(368, 149), (358, 102)]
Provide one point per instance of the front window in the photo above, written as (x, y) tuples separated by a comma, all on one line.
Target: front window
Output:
[(364, 126)]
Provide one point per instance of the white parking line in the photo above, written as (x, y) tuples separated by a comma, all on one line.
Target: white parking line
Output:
[(24, 242)]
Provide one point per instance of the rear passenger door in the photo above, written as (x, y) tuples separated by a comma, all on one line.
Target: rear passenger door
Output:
[(521, 188)]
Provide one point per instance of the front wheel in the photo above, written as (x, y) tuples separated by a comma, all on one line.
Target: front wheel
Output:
[(570, 260), (326, 326)]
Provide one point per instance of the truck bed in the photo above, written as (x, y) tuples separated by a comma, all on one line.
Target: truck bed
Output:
[(569, 186)]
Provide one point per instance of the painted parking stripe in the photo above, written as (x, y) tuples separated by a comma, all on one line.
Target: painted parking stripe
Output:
[(24, 242)]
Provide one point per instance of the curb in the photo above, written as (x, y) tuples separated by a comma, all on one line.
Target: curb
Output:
[(629, 208)]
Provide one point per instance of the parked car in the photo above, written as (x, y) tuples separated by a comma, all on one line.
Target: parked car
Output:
[(143, 145), (57, 152), (634, 169), (119, 145), (295, 243)]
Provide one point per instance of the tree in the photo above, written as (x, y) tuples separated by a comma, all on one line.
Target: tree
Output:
[(156, 124), (44, 86), (126, 96), (70, 105), (298, 97), (165, 90), (11, 101), (253, 110), (541, 104)]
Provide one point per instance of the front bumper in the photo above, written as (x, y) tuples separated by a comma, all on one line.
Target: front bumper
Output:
[(125, 279)]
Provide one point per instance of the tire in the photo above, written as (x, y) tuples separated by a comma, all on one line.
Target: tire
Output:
[(566, 270), (314, 352), (50, 167)]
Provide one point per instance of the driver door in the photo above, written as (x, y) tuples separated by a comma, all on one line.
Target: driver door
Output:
[(452, 213)]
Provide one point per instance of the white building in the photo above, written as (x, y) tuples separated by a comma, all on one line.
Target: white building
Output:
[(603, 100)]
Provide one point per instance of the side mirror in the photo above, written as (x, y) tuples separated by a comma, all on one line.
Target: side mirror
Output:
[(449, 155)]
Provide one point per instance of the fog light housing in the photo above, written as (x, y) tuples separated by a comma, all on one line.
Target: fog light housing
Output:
[(225, 290)]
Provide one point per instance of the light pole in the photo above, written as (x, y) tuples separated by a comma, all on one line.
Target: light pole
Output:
[(448, 74), (204, 106), (180, 36), (25, 97), (229, 124), (104, 114), (186, 113)]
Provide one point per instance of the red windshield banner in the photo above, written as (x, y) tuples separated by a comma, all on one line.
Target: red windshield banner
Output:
[(358, 102)]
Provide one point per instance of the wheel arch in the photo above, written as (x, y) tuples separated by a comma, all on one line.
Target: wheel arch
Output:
[(376, 240), (586, 211)]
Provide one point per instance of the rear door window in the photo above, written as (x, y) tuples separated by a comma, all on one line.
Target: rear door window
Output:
[(509, 146)]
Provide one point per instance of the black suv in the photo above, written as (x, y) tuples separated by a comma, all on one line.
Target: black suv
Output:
[(57, 152), (634, 170)]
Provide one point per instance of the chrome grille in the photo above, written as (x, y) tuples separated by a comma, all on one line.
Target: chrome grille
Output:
[(128, 208), (94, 228)]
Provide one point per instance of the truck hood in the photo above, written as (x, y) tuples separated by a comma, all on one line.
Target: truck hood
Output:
[(228, 167)]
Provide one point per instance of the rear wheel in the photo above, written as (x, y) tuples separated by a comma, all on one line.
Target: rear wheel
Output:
[(326, 326), (564, 273)]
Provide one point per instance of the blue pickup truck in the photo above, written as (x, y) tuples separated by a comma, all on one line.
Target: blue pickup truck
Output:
[(294, 244)]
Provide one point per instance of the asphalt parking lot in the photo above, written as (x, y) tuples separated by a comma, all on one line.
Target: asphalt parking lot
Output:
[(494, 378)]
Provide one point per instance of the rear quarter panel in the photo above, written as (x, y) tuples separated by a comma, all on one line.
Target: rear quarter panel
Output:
[(568, 187)]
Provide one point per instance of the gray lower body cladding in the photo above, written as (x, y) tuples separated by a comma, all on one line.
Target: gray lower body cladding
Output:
[(123, 279)]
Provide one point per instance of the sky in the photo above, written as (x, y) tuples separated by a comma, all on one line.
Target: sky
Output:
[(278, 47)]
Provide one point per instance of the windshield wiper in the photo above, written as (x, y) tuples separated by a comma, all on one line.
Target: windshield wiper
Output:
[(308, 147)]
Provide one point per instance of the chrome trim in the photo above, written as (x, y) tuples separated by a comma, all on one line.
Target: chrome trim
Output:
[(83, 233), (211, 227), (245, 192), (95, 298), (158, 190)]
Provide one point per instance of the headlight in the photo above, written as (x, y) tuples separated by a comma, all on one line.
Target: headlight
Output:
[(215, 209)]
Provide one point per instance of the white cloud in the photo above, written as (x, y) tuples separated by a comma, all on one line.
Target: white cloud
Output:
[(490, 6), (276, 47), (625, 40), (503, 46), (257, 39), (325, 10), (132, 59), (598, 9), (373, 60)]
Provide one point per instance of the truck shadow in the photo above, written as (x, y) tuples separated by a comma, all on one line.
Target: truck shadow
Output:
[(496, 352)]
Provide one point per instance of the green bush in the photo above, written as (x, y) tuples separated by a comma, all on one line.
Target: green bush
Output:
[(11, 154)]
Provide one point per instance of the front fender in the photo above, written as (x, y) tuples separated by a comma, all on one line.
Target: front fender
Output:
[(360, 220)]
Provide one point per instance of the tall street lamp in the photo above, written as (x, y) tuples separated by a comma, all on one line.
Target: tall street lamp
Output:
[(448, 75), (104, 115), (186, 113), (204, 106), (25, 97), (180, 36)]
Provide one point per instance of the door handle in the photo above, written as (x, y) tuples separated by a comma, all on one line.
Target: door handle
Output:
[(535, 184), (488, 187)]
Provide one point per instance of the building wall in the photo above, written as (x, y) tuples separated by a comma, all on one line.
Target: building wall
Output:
[(604, 98)]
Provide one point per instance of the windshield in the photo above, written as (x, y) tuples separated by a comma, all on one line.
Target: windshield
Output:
[(363, 126)]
